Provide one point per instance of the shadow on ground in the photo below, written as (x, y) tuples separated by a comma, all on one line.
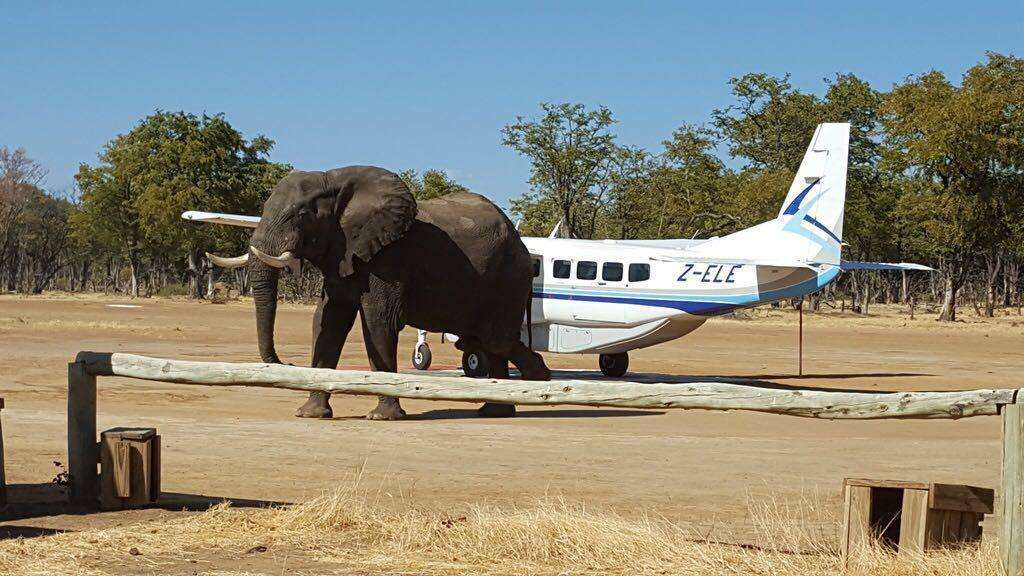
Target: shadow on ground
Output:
[(457, 413), (521, 412), (756, 380), (27, 501)]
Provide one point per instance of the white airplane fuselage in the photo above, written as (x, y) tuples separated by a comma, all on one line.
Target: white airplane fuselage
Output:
[(607, 297)]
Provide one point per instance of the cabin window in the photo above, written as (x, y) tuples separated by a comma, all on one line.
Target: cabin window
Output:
[(611, 271), (536, 267), (561, 269), (639, 272), (586, 270)]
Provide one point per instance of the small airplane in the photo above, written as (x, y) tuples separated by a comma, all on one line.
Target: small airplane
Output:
[(608, 297)]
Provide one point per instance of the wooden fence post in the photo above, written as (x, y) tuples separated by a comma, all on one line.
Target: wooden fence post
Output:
[(83, 451), (1011, 520), (3, 477)]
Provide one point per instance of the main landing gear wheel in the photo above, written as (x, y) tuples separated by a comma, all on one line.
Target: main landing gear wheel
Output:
[(614, 365), (421, 357), (474, 364)]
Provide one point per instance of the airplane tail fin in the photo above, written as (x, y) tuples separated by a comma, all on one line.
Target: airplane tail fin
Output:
[(809, 226), (817, 195)]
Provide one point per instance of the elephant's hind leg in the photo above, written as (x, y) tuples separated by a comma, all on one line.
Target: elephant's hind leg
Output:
[(530, 364), (332, 322), (497, 368)]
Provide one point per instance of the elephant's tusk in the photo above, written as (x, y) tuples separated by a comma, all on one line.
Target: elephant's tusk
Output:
[(236, 262), (287, 261)]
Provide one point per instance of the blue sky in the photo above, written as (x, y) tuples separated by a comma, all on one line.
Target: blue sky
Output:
[(430, 84)]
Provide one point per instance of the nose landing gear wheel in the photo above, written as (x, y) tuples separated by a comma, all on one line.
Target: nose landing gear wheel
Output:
[(474, 364), (614, 365), (421, 357)]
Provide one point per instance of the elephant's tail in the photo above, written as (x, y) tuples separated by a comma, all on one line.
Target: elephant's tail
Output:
[(529, 318)]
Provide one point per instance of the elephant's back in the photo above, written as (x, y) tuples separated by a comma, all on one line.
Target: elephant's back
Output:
[(479, 229), (467, 215), (467, 267)]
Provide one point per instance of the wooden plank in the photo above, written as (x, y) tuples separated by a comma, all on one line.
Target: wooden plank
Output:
[(114, 469), (1011, 517), (82, 447), (3, 476), (933, 529), (154, 472), (690, 395), (857, 533), (913, 520), (951, 527), (885, 483), (122, 468), (142, 480), (961, 497), (970, 526)]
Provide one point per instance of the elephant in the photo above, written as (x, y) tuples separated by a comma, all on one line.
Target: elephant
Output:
[(453, 264)]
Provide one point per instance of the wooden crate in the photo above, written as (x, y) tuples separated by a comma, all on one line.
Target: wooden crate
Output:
[(912, 517), (129, 467)]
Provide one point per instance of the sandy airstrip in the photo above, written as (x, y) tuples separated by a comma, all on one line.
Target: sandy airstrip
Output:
[(693, 467)]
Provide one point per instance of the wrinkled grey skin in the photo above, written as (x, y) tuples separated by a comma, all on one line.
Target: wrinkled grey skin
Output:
[(454, 264)]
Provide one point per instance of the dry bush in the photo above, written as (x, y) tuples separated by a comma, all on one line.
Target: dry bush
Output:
[(348, 530)]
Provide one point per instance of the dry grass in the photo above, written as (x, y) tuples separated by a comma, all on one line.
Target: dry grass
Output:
[(347, 530)]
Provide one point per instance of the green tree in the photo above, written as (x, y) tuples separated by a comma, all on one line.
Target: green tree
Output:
[(433, 184), (770, 124), (171, 162), (46, 238), (20, 177), (571, 151), (960, 149), (691, 186), (632, 196), (768, 128)]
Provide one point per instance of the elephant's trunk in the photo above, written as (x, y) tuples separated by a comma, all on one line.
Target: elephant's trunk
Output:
[(264, 291)]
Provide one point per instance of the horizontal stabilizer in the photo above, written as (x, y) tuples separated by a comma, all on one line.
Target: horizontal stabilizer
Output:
[(218, 218), (851, 265)]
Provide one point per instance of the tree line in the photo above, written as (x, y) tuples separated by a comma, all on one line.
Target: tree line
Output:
[(123, 233), (936, 176)]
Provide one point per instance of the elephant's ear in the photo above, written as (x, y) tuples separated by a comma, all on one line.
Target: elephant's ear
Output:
[(377, 209)]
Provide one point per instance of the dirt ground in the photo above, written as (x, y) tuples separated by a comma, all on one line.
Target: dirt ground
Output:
[(694, 467)]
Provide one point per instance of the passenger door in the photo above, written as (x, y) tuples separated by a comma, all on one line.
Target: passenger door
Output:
[(597, 294), (557, 289)]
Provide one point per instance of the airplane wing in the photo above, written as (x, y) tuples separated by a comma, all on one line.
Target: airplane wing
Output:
[(780, 263), (844, 265), (218, 218), (852, 265)]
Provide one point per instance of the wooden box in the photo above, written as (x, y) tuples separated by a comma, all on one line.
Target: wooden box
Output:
[(911, 517), (129, 468)]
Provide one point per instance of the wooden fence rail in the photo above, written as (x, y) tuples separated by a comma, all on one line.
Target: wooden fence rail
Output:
[(82, 447)]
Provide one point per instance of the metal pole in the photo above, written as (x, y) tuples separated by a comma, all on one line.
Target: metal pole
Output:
[(800, 348)]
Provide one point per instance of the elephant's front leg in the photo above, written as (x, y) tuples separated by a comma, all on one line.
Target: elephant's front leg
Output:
[(381, 326), (332, 322)]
